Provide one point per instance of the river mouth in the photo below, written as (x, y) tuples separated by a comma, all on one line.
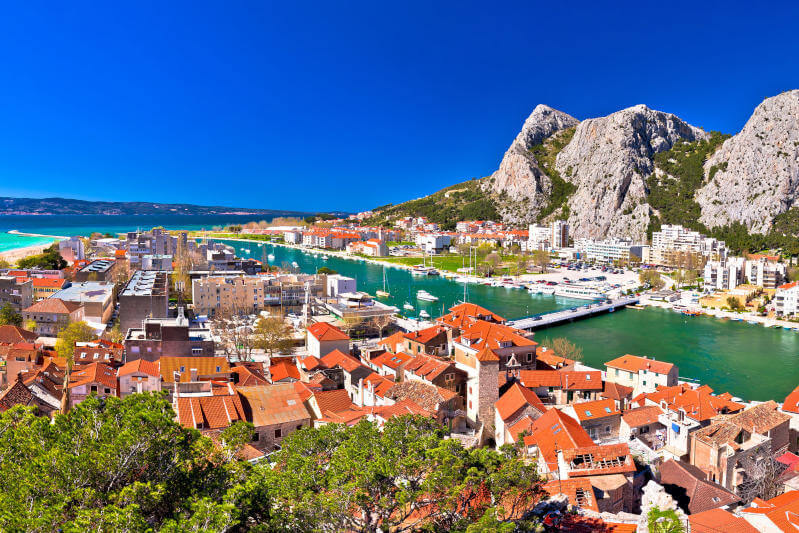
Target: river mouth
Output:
[(749, 361)]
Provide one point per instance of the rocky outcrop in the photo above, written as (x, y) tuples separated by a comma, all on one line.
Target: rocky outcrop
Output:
[(519, 183), (755, 174), (608, 160)]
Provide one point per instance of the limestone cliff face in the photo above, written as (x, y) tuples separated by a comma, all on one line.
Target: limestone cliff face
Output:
[(755, 174), (519, 183), (608, 160)]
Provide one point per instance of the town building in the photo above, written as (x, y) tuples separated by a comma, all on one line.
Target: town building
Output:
[(52, 315), (72, 249), (724, 275), (97, 270), (145, 295), (17, 292), (323, 338), (786, 299), (276, 411), (96, 298), (644, 375), (176, 337)]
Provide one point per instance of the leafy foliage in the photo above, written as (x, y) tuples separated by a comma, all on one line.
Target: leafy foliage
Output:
[(9, 316), (126, 465), (672, 194), (545, 153), (50, 259), (463, 201)]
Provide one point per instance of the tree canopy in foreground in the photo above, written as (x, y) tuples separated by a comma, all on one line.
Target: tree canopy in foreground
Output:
[(126, 465)]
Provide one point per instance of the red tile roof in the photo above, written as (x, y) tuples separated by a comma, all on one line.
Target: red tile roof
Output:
[(635, 363), (719, 521), (599, 460), (556, 430), (515, 399), (284, 370), (327, 332), (595, 410), (641, 416), (140, 366), (791, 403)]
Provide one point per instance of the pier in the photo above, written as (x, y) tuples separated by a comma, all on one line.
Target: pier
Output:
[(569, 315)]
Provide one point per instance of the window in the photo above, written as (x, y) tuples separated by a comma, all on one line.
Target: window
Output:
[(278, 433)]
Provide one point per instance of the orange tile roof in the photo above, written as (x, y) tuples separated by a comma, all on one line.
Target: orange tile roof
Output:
[(782, 511), (333, 401), (140, 366), (341, 359), (599, 460), (284, 370), (327, 332), (578, 490), (635, 363), (53, 305), (209, 412), (791, 403), (425, 335), (595, 410), (719, 520), (556, 430), (641, 416), (516, 398), (699, 404), (94, 373), (273, 404)]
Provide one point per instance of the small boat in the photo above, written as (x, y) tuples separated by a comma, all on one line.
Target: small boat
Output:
[(426, 296), (424, 314), (407, 307)]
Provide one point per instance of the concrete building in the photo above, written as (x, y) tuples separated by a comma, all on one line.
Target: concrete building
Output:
[(175, 337), (724, 275), (765, 271), (98, 270), (72, 249), (18, 292), (644, 375), (96, 297), (559, 235), (52, 315), (156, 262), (146, 295), (252, 294)]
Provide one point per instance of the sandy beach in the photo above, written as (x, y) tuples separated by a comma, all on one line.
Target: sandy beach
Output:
[(12, 256)]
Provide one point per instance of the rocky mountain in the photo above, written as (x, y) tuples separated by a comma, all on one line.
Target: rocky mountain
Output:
[(624, 174), (755, 174)]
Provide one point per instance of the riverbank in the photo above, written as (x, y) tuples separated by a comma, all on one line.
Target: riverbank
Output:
[(726, 315)]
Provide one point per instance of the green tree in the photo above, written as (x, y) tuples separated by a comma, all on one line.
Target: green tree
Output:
[(272, 335), (541, 259), (652, 278), (9, 316)]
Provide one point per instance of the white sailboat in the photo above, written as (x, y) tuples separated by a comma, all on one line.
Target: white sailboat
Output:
[(383, 293)]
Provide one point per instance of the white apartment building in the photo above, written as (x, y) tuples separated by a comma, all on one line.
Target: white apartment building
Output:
[(538, 237), (765, 272), (786, 299), (608, 250), (724, 275)]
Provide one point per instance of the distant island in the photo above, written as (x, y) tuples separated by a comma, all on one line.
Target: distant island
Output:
[(69, 206)]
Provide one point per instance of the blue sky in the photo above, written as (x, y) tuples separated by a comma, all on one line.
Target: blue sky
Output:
[(348, 105)]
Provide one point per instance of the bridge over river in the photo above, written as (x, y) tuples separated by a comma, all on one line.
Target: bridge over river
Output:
[(569, 315)]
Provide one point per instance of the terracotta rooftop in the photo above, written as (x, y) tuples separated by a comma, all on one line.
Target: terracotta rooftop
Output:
[(327, 332), (635, 363)]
